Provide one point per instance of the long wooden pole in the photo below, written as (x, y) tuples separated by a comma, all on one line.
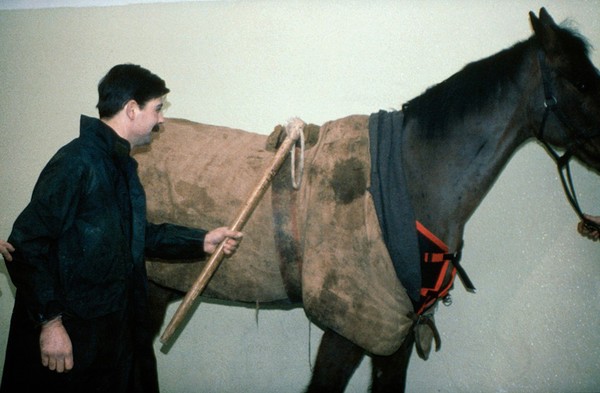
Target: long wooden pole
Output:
[(294, 128)]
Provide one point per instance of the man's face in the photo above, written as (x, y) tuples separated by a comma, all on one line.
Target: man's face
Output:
[(146, 119)]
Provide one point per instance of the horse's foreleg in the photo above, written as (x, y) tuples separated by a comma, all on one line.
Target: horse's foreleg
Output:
[(337, 360), (389, 372)]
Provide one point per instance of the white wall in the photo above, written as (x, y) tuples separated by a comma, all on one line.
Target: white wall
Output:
[(33, 4), (532, 327)]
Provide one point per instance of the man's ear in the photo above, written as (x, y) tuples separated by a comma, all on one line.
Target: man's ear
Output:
[(130, 108)]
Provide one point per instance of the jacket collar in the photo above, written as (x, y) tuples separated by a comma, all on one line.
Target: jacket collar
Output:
[(104, 137)]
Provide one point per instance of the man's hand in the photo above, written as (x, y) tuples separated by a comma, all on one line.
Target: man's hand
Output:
[(588, 232), (55, 346), (216, 236), (5, 249)]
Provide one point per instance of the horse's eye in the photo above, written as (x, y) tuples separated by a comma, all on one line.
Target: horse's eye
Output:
[(582, 87)]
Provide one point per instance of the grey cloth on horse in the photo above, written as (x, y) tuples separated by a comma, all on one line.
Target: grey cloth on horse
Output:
[(392, 200)]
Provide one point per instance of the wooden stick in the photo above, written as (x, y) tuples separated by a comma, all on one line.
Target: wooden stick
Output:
[(294, 128)]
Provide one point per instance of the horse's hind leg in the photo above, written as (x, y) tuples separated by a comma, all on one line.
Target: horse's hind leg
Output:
[(337, 360), (159, 299), (145, 371), (389, 372)]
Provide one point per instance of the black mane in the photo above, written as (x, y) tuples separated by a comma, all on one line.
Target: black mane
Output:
[(482, 82), (467, 91)]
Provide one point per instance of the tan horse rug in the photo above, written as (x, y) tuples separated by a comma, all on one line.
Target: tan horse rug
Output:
[(329, 248)]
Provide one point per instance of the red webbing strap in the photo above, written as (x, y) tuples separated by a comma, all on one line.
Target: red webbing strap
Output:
[(438, 269)]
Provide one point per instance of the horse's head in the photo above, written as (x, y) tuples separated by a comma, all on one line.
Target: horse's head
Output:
[(572, 91)]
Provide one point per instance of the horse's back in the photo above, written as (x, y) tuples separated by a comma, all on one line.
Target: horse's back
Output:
[(200, 175)]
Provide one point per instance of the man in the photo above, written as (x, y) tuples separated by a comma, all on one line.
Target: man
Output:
[(79, 319), (589, 232)]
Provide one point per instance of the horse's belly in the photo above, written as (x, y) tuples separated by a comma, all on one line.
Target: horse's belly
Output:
[(200, 176)]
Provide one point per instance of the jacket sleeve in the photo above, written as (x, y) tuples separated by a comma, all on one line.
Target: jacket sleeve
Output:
[(170, 241), (34, 270)]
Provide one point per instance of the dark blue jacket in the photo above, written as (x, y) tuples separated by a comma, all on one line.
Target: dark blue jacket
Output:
[(82, 240)]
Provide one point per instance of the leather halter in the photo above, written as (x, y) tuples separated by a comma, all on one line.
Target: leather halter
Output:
[(562, 162)]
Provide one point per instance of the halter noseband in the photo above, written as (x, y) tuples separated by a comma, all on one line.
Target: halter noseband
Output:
[(562, 162)]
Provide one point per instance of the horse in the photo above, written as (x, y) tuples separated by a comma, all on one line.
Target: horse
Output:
[(456, 138)]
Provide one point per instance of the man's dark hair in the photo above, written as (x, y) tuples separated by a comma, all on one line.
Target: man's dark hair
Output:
[(126, 82)]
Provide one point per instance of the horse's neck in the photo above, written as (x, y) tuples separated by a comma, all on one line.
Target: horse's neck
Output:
[(450, 175)]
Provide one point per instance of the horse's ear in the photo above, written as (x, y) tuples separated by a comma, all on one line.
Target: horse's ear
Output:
[(545, 30)]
